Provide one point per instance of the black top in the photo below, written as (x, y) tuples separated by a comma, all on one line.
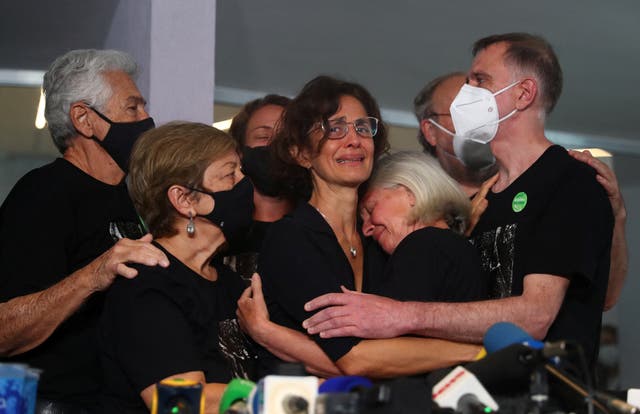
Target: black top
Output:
[(54, 221), (433, 265), (167, 321), (244, 257), (300, 260), (564, 228)]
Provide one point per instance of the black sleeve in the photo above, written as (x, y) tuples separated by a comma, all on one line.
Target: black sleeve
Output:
[(575, 231), (154, 339), (34, 230), (297, 267), (431, 265)]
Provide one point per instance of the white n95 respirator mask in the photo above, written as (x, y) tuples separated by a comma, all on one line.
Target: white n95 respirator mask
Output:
[(474, 113)]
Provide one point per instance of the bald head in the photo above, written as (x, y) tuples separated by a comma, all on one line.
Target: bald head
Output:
[(435, 98)]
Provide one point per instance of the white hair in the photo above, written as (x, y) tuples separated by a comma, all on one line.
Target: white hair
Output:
[(437, 195), (78, 76)]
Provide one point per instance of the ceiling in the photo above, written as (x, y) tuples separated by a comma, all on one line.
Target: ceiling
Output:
[(393, 48)]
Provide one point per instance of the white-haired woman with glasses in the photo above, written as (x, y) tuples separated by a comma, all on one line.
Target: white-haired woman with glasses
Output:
[(329, 138)]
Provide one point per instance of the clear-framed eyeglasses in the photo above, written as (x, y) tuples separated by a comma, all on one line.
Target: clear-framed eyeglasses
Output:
[(338, 128)]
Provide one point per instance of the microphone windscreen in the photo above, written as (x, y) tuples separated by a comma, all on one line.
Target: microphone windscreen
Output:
[(345, 384), (502, 334)]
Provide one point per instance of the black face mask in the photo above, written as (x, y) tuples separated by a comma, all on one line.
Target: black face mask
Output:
[(257, 165), (120, 138), (233, 210)]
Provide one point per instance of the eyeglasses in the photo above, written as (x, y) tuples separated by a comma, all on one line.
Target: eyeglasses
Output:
[(338, 128)]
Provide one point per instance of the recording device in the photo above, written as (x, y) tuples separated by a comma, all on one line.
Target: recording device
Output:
[(178, 396), (510, 340), (235, 397), (461, 391), (284, 394)]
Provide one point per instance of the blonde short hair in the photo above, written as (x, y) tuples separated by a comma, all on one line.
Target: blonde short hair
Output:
[(437, 195), (175, 153)]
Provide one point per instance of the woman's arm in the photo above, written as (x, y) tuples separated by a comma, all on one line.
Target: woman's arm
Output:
[(287, 344), (385, 358), (212, 392)]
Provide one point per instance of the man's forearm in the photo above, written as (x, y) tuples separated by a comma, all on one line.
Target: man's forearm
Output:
[(464, 322), (27, 321), (468, 322)]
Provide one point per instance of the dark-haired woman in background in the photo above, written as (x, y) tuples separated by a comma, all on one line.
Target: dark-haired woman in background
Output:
[(253, 128)]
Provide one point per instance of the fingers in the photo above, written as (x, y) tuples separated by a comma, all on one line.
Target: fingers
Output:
[(246, 294), (344, 289), (139, 251), (147, 238), (479, 203), (126, 271), (256, 286), (485, 187), (328, 299), (601, 168), (342, 331), (583, 156), (324, 319)]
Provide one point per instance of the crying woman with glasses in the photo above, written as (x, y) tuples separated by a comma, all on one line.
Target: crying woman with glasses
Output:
[(330, 137)]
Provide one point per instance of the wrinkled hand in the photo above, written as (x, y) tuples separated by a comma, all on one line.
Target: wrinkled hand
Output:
[(114, 261), (607, 178), (479, 203), (252, 310), (353, 313)]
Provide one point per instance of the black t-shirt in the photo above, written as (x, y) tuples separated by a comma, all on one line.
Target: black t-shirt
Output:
[(433, 265), (244, 257), (300, 260), (54, 221), (554, 219), (168, 321)]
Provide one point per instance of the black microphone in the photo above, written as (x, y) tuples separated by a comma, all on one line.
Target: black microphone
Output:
[(470, 404)]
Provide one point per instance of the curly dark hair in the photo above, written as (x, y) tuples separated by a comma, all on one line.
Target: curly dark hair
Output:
[(318, 100)]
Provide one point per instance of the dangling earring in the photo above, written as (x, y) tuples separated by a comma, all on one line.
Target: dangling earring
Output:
[(191, 226)]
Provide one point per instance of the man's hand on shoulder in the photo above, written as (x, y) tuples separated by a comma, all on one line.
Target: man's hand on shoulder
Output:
[(113, 262), (355, 314)]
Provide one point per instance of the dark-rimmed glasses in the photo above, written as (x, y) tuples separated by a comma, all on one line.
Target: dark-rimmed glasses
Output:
[(338, 128)]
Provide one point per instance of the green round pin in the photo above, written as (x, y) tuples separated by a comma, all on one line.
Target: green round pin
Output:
[(519, 202)]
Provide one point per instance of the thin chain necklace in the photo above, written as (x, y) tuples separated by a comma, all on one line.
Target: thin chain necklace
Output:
[(352, 249)]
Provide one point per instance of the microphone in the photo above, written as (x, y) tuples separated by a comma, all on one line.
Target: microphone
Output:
[(470, 404), (503, 334), (461, 390), (284, 394), (235, 396)]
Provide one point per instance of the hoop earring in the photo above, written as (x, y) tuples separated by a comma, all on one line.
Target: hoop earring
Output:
[(191, 226)]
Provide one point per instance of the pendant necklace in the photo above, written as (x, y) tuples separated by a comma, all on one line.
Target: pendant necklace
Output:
[(352, 249)]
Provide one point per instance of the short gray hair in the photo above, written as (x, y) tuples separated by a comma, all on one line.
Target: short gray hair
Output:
[(423, 105), (436, 194), (77, 76)]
